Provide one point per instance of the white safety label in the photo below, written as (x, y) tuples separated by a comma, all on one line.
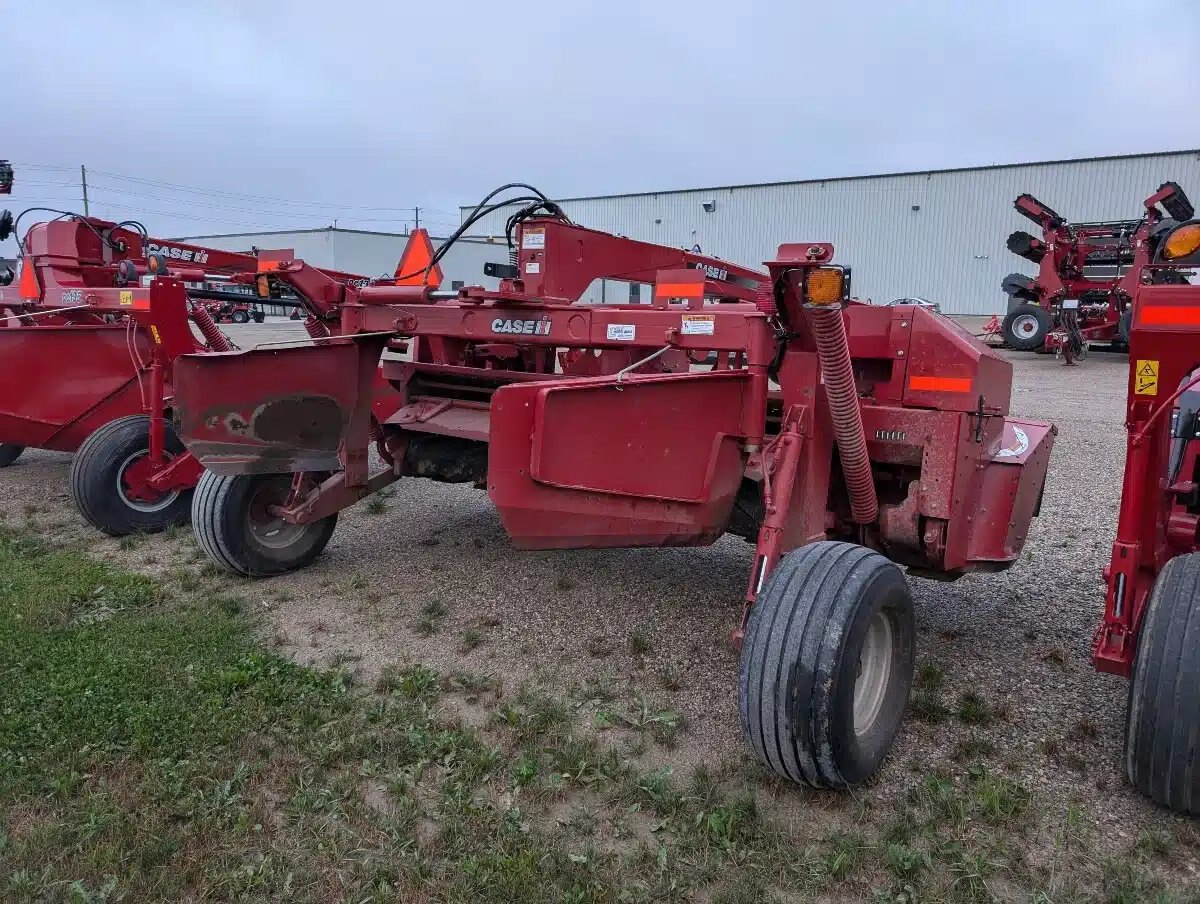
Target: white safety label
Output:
[(622, 332), (533, 238), (533, 267), (699, 324)]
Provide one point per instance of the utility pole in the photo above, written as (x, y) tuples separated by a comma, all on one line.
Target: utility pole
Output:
[(417, 218), (83, 177)]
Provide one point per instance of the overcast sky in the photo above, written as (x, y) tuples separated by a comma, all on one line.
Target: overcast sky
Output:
[(326, 110)]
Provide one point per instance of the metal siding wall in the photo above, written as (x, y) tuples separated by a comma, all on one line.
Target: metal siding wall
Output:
[(951, 250)]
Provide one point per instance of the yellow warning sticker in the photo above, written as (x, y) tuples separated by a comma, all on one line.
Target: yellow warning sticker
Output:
[(127, 298), (1145, 377), (154, 333)]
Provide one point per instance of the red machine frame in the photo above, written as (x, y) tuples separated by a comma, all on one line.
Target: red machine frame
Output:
[(1149, 628), (589, 426), (1160, 515), (1096, 309), (922, 381), (81, 348)]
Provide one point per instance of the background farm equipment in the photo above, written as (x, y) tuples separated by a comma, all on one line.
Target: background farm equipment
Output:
[(1087, 275), (1151, 626), (234, 311), (590, 426), (82, 370)]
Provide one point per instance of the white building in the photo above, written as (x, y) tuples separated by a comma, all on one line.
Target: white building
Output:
[(938, 234), (365, 253)]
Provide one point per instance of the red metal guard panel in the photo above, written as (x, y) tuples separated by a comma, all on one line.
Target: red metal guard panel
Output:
[(581, 463), (268, 410), (59, 383)]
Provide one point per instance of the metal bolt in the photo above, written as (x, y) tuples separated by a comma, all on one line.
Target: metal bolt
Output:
[(900, 353)]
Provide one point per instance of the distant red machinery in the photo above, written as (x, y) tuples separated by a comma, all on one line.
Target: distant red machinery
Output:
[(594, 426), (82, 369), (1151, 626), (1087, 275), (235, 311)]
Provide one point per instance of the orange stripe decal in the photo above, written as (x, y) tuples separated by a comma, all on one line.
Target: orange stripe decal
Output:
[(679, 290), (940, 384), (1168, 315)]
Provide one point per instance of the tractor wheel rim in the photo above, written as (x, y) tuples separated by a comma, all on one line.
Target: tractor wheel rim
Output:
[(140, 505), (874, 673), (1025, 325), (270, 530)]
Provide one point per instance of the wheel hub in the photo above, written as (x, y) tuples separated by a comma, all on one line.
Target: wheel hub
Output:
[(267, 527), (1025, 325), (133, 488), (874, 672)]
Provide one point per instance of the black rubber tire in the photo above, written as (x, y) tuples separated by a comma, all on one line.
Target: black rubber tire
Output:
[(95, 472), (800, 661), (258, 316), (1033, 341), (220, 519), (239, 317), (1163, 721), (9, 453)]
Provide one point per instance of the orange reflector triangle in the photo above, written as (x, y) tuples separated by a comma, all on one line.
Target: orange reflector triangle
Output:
[(416, 257), (28, 287)]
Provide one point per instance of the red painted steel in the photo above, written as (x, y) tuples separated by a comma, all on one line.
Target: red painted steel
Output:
[(1160, 491), (77, 349), (588, 426), (1066, 251)]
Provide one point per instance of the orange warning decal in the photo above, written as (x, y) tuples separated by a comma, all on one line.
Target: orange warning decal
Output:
[(940, 384), (415, 260)]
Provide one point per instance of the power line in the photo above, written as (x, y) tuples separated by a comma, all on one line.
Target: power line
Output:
[(212, 192), (287, 213), (174, 186)]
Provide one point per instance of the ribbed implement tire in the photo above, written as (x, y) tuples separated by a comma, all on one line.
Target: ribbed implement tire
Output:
[(800, 659), (221, 522), (1162, 747), (96, 477), (1033, 341), (9, 453)]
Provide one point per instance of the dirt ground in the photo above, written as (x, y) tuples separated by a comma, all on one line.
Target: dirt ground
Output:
[(431, 578)]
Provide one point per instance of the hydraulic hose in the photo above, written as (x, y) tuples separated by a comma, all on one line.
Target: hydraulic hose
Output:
[(833, 352)]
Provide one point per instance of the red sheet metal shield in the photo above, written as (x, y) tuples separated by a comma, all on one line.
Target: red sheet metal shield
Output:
[(267, 410), (60, 383), (581, 463)]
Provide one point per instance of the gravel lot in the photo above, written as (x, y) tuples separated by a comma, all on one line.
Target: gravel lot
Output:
[(1019, 639)]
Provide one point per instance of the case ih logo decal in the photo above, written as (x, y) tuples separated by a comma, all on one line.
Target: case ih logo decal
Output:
[(711, 271), (522, 327), (178, 254)]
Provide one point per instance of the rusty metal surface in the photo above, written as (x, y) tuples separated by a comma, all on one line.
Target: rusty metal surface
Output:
[(268, 410)]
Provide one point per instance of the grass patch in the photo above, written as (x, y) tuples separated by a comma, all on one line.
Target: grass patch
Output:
[(974, 710), (433, 613), (926, 706), (150, 749)]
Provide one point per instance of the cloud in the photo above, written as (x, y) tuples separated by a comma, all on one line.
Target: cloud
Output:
[(395, 105)]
